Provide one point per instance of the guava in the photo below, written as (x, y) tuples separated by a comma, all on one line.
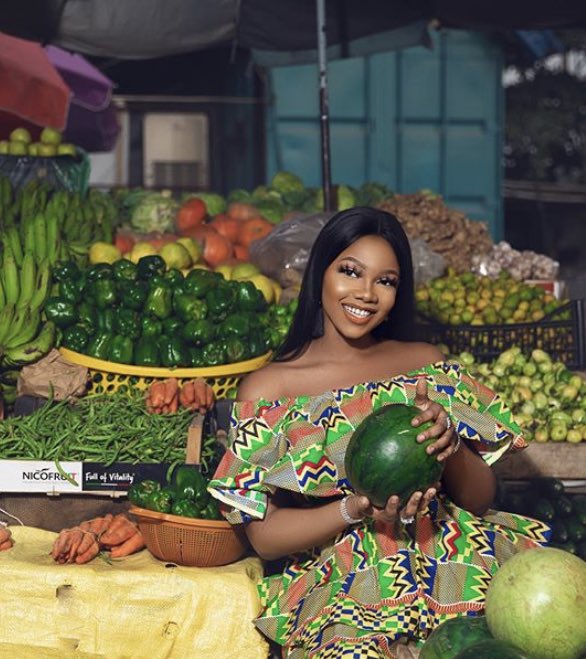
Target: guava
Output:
[(20, 135), (50, 136), (537, 602)]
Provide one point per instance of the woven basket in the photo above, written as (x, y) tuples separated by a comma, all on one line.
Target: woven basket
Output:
[(107, 377), (188, 541)]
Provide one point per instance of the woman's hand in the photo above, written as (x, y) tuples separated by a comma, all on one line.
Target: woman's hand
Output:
[(447, 442), (395, 510)]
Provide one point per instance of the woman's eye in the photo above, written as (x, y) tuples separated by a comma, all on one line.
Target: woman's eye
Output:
[(387, 281), (347, 270)]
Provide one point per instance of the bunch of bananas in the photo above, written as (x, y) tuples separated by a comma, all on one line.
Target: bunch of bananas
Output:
[(57, 223)]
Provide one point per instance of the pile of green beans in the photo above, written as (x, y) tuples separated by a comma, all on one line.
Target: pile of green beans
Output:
[(104, 428)]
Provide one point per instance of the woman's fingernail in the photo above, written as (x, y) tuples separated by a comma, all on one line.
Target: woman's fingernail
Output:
[(420, 437)]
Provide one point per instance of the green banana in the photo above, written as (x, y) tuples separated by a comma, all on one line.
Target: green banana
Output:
[(40, 236), (42, 285), (19, 320), (12, 238), (27, 234), (9, 377), (8, 393), (28, 330), (6, 318), (28, 279), (2, 296), (10, 278), (52, 224), (33, 350)]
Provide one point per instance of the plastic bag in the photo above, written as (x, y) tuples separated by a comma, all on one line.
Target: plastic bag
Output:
[(62, 172), (427, 264), (283, 254)]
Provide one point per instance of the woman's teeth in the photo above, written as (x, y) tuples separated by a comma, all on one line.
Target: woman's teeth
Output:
[(359, 313)]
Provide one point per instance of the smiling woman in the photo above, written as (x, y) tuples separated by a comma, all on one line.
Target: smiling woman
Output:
[(362, 578)]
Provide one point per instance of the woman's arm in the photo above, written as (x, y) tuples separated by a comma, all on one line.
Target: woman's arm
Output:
[(286, 530), (469, 481)]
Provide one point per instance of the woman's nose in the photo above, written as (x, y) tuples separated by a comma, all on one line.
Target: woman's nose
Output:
[(367, 292)]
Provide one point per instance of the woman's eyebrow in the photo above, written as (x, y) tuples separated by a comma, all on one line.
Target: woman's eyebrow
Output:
[(351, 258)]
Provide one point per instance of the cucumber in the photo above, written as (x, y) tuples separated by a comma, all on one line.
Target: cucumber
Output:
[(576, 531), (581, 550), (560, 531), (562, 506), (543, 510), (549, 487), (453, 636)]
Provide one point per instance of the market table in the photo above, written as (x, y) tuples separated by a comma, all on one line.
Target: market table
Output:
[(128, 608), (555, 459)]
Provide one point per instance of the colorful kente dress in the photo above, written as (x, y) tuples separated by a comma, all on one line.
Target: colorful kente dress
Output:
[(372, 584)]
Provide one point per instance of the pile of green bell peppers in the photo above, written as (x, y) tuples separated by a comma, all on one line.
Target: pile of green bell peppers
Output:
[(185, 494), (148, 315)]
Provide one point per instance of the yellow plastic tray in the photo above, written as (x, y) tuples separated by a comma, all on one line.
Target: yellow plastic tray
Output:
[(110, 376)]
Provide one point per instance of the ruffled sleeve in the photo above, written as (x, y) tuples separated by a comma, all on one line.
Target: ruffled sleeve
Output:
[(256, 443)]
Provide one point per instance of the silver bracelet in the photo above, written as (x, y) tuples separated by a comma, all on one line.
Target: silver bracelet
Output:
[(456, 445), (345, 514)]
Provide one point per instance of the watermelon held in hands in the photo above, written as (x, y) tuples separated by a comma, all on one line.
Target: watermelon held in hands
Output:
[(492, 649), (454, 636), (383, 457)]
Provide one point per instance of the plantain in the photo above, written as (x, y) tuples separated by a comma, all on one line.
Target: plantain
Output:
[(12, 238), (27, 234), (40, 236), (29, 329), (6, 318), (19, 320), (42, 285), (2, 296), (27, 279), (52, 225), (10, 278), (33, 350)]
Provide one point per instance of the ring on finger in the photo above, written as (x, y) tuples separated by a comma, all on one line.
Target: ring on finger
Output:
[(407, 520), (448, 423)]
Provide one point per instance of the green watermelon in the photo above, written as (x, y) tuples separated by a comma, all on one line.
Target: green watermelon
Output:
[(453, 636), (383, 457), (491, 649)]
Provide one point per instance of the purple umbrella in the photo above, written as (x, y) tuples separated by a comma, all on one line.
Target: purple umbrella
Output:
[(92, 122)]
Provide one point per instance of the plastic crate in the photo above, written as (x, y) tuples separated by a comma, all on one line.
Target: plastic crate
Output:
[(562, 334), (110, 376)]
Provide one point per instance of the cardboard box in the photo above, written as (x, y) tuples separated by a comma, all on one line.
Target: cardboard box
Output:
[(38, 476), (556, 287)]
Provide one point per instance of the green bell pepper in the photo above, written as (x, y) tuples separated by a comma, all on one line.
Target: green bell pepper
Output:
[(172, 326), (99, 271), (105, 320), (249, 298), (104, 293), (235, 325), (150, 266), (174, 277), (220, 300), (65, 270), (186, 508), (127, 323), (71, 289), (214, 354), (138, 492), (99, 345), (160, 501), (146, 352), (172, 352), (195, 357), (121, 349), (124, 270), (87, 316), (159, 299), (133, 294), (211, 510), (198, 282), (258, 343), (189, 307), (235, 350), (151, 327), (189, 483), (61, 312), (198, 332), (75, 337)]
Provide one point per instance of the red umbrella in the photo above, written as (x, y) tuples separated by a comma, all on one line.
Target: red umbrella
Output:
[(31, 90)]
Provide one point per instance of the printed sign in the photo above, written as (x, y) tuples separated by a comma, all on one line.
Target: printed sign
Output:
[(40, 476), (119, 476)]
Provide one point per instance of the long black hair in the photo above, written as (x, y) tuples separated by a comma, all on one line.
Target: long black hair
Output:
[(343, 229)]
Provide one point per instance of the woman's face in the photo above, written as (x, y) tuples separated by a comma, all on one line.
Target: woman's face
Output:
[(360, 287)]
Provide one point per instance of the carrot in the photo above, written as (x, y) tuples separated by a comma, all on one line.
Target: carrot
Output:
[(210, 396), (5, 534), (199, 387), (133, 544), (157, 394), (119, 531), (171, 389), (6, 545), (187, 394), (85, 556)]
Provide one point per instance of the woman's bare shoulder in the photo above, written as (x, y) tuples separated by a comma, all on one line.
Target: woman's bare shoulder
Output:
[(264, 383), (411, 355)]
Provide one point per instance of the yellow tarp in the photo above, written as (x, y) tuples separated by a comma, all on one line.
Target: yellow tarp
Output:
[(131, 608)]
